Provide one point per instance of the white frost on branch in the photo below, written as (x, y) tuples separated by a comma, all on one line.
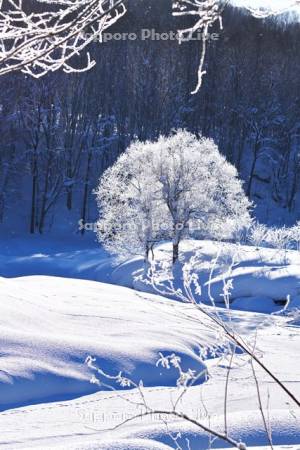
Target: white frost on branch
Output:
[(207, 13), (263, 12), (46, 35), (48, 38)]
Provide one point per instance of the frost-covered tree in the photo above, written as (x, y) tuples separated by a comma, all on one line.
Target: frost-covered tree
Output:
[(257, 234), (176, 187), (295, 235), (269, 10), (133, 216), (200, 189)]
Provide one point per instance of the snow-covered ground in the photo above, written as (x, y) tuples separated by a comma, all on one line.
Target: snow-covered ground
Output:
[(49, 325), (66, 256), (262, 278)]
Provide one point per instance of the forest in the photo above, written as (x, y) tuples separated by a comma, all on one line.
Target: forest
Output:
[(60, 132)]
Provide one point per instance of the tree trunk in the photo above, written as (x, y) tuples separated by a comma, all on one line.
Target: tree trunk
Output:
[(33, 195), (147, 250), (69, 198), (291, 199), (256, 149), (45, 194), (1, 207), (86, 192), (175, 252), (241, 145)]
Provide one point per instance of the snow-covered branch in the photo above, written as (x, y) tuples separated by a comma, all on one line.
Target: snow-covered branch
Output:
[(184, 382), (48, 39), (265, 12), (207, 13)]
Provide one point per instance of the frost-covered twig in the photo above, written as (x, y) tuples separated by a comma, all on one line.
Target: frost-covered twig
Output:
[(180, 415), (185, 379), (268, 432), (270, 11), (226, 392), (226, 332), (225, 336), (207, 13), (40, 42)]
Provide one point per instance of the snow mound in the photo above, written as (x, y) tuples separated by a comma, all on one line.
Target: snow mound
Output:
[(48, 326)]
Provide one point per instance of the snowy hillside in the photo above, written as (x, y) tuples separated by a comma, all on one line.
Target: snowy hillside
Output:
[(49, 325)]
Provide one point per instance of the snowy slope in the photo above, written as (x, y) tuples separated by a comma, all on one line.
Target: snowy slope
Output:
[(49, 325), (66, 256), (260, 276)]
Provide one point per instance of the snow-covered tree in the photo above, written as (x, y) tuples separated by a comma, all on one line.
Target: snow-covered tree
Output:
[(295, 235), (176, 187), (269, 10), (257, 234), (133, 216), (200, 189), (280, 238)]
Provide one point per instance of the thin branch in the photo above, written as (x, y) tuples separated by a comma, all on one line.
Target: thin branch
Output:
[(261, 406), (38, 43), (185, 417)]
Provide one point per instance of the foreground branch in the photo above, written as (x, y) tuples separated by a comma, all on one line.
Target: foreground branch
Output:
[(40, 42)]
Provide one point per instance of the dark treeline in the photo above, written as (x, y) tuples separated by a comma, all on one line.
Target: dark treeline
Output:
[(59, 133)]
